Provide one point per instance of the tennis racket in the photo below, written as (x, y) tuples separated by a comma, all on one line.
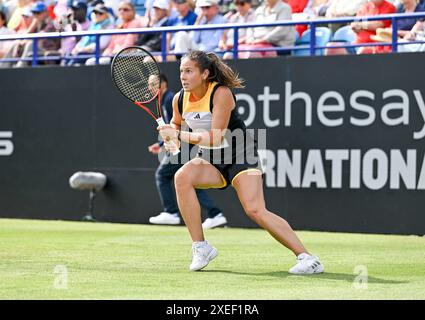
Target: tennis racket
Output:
[(136, 75)]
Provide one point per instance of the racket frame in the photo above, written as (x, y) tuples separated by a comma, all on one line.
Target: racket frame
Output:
[(141, 104)]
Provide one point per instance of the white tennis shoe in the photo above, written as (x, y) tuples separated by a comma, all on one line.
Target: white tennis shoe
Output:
[(218, 221), (165, 218), (202, 254), (307, 264)]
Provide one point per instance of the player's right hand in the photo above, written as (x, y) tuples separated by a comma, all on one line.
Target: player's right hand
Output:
[(172, 145)]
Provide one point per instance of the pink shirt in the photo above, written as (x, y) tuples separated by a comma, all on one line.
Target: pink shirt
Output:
[(68, 43), (120, 41)]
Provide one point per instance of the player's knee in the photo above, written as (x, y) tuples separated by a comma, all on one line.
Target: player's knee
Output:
[(182, 180), (254, 211)]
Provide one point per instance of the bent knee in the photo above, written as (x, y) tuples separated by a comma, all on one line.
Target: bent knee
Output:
[(182, 179), (254, 211)]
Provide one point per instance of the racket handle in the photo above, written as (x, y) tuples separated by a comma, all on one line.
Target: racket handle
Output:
[(160, 121), (176, 150)]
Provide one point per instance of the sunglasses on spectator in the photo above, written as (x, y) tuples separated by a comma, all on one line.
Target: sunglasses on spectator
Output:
[(98, 13), (124, 9), (240, 3), (206, 7)]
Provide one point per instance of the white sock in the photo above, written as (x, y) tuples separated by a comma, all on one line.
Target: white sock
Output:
[(303, 255), (200, 243)]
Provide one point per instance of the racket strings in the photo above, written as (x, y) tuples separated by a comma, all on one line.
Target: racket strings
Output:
[(136, 74)]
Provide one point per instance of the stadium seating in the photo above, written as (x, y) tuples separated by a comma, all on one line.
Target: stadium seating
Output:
[(345, 35), (323, 36), (140, 7)]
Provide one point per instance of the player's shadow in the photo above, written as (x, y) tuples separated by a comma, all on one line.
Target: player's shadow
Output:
[(326, 276)]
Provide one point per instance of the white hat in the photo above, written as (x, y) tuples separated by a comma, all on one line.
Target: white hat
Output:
[(206, 3), (26, 12), (161, 4)]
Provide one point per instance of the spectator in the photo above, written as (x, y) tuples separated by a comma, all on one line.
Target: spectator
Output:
[(150, 11), (8, 7), (40, 23), (79, 13), (25, 22), (343, 8), (16, 47), (404, 26), (202, 40), (50, 4), (87, 45), (74, 20), (416, 34), (366, 29), (186, 17), (60, 9), (15, 17), (298, 6), (314, 9), (244, 14), (127, 14), (225, 6), (268, 37), (152, 41), (91, 4), (4, 45)]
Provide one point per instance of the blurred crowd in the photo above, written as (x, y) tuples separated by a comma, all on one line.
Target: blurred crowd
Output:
[(28, 16)]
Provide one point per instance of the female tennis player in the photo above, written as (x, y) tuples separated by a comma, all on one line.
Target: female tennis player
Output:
[(207, 106)]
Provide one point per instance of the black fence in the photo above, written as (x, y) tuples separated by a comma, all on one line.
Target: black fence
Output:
[(345, 143)]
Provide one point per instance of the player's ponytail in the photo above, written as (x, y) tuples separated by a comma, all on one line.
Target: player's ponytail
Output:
[(219, 71)]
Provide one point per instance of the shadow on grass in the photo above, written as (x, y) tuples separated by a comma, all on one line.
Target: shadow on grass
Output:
[(326, 276)]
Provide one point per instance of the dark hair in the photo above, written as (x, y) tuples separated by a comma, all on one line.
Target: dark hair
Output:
[(163, 78), (219, 71), (3, 16)]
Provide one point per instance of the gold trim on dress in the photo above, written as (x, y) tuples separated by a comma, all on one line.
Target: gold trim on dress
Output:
[(243, 171)]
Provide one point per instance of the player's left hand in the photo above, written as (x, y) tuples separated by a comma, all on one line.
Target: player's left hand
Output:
[(167, 132), (170, 136)]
